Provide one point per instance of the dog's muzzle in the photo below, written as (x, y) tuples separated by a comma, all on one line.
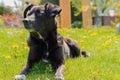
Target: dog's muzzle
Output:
[(25, 22), (28, 25)]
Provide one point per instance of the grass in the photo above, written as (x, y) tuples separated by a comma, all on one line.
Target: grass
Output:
[(103, 44)]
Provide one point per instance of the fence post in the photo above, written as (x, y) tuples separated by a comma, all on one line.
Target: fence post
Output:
[(65, 16), (86, 13)]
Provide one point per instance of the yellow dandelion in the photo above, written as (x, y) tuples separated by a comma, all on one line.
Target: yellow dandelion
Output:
[(81, 41), (93, 34), (23, 43), (86, 31), (107, 42), (22, 32), (26, 47), (7, 57), (15, 46)]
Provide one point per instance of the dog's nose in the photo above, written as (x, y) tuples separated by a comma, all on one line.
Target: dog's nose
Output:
[(25, 20)]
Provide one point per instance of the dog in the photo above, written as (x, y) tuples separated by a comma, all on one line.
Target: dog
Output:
[(45, 43)]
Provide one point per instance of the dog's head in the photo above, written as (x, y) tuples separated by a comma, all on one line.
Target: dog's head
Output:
[(41, 18)]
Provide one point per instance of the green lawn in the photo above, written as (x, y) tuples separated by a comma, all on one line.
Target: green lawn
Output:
[(103, 44)]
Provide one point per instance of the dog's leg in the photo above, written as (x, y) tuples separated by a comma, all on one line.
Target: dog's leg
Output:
[(23, 74), (35, 55), (57, 59), (59, 72)]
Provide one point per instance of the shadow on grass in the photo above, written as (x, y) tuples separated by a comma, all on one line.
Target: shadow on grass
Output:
[(41, 71)]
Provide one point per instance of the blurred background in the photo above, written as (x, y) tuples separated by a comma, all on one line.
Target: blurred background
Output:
[(104, 12)]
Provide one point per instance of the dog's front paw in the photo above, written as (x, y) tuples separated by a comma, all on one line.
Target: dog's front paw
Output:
[(59, 77), (20, 77)]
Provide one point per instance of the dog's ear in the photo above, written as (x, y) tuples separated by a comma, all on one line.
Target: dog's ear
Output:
[(52, 10), (27, 9), (57, 10)]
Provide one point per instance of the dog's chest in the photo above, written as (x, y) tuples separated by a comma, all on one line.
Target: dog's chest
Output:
[(45, 58)]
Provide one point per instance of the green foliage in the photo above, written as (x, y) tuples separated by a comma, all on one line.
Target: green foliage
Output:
[(5, 10), (77, 24), (76, 10), (77, 5), (103, 43), (52, 1)]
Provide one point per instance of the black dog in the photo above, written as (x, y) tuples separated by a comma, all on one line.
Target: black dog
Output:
[(45, 43)]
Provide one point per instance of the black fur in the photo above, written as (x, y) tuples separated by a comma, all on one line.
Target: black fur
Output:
[(44, 38)]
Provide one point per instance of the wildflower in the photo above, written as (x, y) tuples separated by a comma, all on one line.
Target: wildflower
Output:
[(26, 47), (23, 43), (86, 31), (15, 46), (7, 57), (107, 42), (81, 41), (22, 32), (93, 34)]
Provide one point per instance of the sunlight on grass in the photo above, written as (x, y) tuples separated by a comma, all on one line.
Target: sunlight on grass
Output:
[(103, 44)]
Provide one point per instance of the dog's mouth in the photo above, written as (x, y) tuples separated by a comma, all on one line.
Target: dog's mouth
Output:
[(28, 25)]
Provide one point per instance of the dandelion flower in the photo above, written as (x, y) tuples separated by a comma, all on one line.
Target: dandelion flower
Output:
[(93, 34), (23, 43), (86, 31), (81, 41), (26, 47), (107, 42), (22, 32), (7, 57), (15, 46)]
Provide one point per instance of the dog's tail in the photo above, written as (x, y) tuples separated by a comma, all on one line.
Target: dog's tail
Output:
[(85, 54)]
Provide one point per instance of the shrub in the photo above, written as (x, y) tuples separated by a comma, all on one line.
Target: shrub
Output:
[(76, 10), (5, 10), (52, 1), (77, 24)]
